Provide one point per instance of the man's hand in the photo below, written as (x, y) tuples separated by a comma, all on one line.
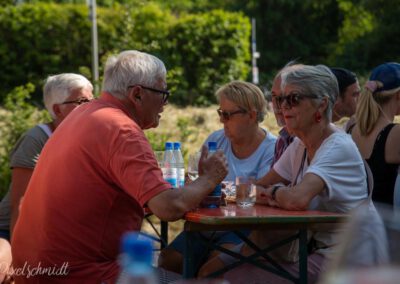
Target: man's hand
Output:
[(170, 205), (214, 167)]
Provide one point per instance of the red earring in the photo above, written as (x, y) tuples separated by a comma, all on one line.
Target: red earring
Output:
[(318, 117)]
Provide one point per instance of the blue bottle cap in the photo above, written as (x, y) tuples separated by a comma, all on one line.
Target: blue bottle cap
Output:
[(177, 145), (138, 249), (212, 146), (169, 146)]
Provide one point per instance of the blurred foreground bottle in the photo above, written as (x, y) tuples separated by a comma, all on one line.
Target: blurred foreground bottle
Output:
[(136, 261), (170, 172), (180, 164)]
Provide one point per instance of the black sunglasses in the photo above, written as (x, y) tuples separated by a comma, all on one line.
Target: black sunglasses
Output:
[(292, 99), (165, 93), (227, 115), (77, 102)]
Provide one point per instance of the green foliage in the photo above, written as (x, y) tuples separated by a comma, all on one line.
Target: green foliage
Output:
[(209, 49), (380, 42), (201, 51), (42, 39), (16, 118)]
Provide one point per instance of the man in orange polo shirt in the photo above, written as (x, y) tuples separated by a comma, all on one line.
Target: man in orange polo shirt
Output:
[(95, 175)]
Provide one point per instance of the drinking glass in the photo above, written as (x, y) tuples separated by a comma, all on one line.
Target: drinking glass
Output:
[(160, 158), (193, 166), (245, 191)]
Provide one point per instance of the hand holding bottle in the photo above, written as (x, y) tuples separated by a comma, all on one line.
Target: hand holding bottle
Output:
[(215, 166)]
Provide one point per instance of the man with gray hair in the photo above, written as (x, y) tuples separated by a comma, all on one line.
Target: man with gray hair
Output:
[(97, 173), (62, 93)]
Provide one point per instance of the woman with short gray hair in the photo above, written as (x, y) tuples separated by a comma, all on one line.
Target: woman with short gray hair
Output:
[(315, 82)]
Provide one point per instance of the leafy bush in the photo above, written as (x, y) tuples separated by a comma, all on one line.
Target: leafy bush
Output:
[(208, 49), (201, 51), (16, 118)]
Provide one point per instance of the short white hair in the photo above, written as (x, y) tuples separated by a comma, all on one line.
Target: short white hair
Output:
[(58, 88), (130, 68)]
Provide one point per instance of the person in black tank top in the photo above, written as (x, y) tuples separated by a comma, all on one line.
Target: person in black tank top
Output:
[(384, 174), (375, 113)]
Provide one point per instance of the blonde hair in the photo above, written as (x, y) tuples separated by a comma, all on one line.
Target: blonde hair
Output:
[(246, 95), (369, 106)]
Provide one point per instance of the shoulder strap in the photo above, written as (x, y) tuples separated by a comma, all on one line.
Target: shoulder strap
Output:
[(380, 142), (303, 160), (46, 129)]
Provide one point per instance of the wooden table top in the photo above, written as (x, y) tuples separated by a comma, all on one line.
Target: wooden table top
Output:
[(259, 214)]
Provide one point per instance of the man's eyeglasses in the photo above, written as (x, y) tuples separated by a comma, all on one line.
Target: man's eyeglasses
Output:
[(226, 115), (77, 102), (165, 93), (292, 99)]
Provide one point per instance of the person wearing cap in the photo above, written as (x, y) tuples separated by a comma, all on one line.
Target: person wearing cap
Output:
[(349, 92), (96, 174), (375, 134)]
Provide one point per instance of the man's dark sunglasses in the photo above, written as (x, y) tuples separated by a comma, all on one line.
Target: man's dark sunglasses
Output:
[(165, 93), (292, 99), (77, 102), (226, 115)]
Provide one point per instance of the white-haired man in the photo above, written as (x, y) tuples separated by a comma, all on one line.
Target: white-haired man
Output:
[(62, 93), (96, 175)]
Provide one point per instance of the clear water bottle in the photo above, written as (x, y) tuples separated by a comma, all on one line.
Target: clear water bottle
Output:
[(180, 164), (214, 197), (136, 260), (170, 172)]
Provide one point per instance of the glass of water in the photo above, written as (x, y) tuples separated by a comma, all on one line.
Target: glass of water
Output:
[(193, 165), (245, 191)]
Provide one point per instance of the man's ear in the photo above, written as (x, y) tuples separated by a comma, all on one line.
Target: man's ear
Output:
[(134, 95), (57, 110)]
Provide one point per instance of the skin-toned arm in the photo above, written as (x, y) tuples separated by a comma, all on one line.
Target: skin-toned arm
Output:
[(20, 180), (171, 205), (6, 259), (272, 177), (297, 197)]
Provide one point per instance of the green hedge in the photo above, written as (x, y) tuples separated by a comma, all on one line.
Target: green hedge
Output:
[(201, 51)]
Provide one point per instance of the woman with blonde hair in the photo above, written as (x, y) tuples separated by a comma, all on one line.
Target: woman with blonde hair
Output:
[(249, 151), (375, 134)]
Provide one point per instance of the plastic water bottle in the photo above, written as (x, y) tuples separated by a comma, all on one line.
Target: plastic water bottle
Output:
[(136, 261), (170, 172), (180, 164), (216, 193)]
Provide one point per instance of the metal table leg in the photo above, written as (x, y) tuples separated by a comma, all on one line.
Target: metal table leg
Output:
[(188, 261), (164, 234), (303, 256)]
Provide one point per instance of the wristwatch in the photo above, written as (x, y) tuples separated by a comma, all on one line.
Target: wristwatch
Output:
[(274, 190)]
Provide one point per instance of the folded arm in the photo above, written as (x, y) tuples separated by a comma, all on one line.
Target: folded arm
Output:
[(297, 197)]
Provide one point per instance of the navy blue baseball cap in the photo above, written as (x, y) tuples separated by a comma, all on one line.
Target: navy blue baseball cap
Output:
[(388, 74)]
